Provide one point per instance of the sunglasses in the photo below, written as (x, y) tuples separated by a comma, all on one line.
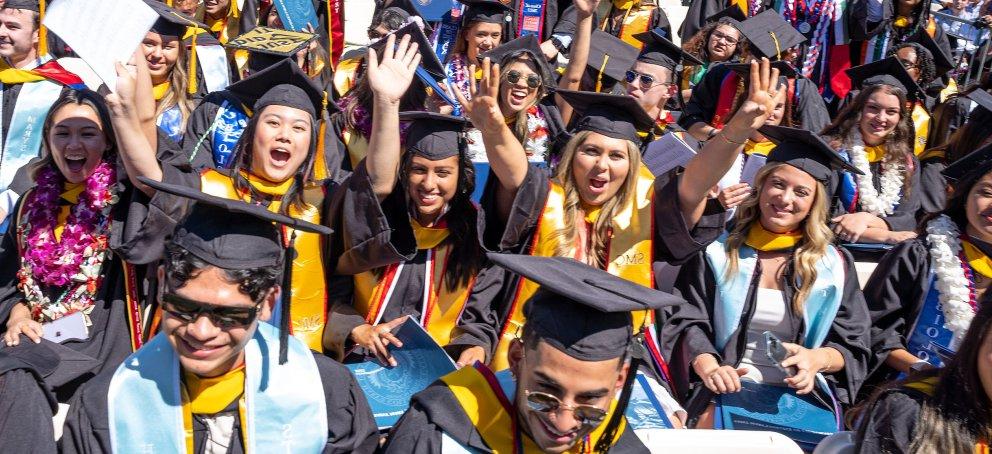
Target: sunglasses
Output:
[(533, 80), (223, 316), (588, 415), (646, 81)]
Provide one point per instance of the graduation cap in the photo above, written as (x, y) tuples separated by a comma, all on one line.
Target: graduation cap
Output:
[(978, 162), (609, 56), (617, 116), (270, 45), (433, 135), (526, 44), (234, 235), (283, 84), (887, 71), (171, 22), (662, 52), (731, 15), (30, 5), (585, 312), (805, 151), (489, 11), (943, 62), (37, 6), (770, 35), (428, 61), (784, 69), (981, 97)]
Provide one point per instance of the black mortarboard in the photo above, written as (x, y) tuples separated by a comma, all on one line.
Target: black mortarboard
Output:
[(609, 56), (731, 15), (981, 97), (171, 22), (428, 60), (434, 136), (526, 44), (490, 11), (977, 162), (31, 5), (943, 62), (235, 235), (805, 151), (617, 116), (662, 52), (282, 84), (887, 71), (770, 35), (784, 68)]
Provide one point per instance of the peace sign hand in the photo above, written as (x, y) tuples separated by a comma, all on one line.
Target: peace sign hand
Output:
[(483, 109), (390, 78)]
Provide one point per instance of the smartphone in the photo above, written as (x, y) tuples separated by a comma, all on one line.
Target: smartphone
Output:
[(777, 353)]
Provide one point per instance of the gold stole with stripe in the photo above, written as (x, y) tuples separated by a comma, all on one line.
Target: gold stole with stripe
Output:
[(630, 253), (492, 414), (635, 21), (356, 144), (309, 311), (444, 305), (921, 123)]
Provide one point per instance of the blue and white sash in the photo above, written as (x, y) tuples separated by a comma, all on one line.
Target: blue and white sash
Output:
[(216, 69), (531, 18), (171, 123), (229, 123), (286, 411), (930, 340), (23, 140), (446, 32)]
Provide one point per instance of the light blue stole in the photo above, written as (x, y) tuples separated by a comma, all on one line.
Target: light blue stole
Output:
[(23, 140), (286, 411), (170, 122)]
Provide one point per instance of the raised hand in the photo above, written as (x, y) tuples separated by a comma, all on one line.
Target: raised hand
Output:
[(586, 7), (763, 88), (390, 78), (483, 109), (122, 99)]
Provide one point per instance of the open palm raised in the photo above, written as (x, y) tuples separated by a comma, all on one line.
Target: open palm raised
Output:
[(391, 77)]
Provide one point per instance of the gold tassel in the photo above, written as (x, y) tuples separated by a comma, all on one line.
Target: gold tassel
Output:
[(319, 164), (43, 31), (191, 86)]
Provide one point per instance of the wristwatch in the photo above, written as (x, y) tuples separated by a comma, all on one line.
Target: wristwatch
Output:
[(558, 45)]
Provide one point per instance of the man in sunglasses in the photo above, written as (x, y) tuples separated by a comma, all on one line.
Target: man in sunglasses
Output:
[(652, 80), (578, 352), (214, 378)]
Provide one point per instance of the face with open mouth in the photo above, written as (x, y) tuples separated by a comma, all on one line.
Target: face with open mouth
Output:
[(544, 369), (204, 348), (600, 167), (161, 53), (518, 96), (431, 185), (216, 7), (880, 116), (481, 37), (281, 142), (786, 198), (17, 33), (76, 141)]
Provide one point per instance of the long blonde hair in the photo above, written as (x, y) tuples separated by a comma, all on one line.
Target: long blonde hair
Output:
[(177, 95), (599, 236), (811, 248)]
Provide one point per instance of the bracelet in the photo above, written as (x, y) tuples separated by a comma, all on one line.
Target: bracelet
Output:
[(727, 139)]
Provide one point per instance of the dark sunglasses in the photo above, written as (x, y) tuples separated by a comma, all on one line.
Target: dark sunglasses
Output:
[(646, 81), (533, 80), (588, 415), (222, 316)]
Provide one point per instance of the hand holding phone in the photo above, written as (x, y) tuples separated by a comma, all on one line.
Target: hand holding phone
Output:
[(777, 353)]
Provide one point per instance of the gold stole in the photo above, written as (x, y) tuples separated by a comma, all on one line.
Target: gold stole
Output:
[(444, 305), (630, 253), (761, 148), (358, 146), (921, 122), (490, 411), (761, 239), (309, 311), (636, 20), (977, 260), (70, 193), (208, 396)]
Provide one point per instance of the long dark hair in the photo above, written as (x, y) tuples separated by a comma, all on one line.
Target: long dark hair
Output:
[(80, 98), (243, 152), (360, 97), (466, 254), (698, 44)]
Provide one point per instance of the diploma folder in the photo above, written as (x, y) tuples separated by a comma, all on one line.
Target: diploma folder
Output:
[(776, 409), (667, 153), (419, 363)]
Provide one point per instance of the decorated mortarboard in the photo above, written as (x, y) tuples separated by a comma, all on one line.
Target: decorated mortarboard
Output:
[(609, 56), (170, 21), (273, 41), (433, 135), (660, 51), (978, 162), (617, 116), (942, 60), (805, 151), (526, 44), (731, 15), (283, 84), (784, 68), (235, 235), (489, 11), (429, 61), (769, 35), (887, 71), (30, 5)]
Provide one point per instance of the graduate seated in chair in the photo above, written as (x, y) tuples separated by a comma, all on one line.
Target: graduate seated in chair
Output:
[(571, 372), (216, 377)]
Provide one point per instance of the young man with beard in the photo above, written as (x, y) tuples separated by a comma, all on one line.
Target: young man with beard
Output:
[(216, 377), (571, 372)]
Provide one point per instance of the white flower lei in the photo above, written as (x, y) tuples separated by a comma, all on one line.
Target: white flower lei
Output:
[(951, 282), (892, 173)]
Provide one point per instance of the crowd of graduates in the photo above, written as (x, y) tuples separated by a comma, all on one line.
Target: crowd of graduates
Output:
[(774, 208)]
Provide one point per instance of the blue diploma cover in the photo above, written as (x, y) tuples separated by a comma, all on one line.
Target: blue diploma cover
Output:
[(776, 409)]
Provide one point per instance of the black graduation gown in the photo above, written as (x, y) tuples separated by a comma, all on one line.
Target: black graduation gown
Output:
[(435, 410), (135, 238), (809, 109), (371, 235), (889, 424), (946, 118), (683, 337), (26, 404), (860, 29), (903, 217), (699, 11), (933, 186), (350, 425)]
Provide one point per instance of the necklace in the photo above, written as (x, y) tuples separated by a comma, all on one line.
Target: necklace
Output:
[(870, 199)]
